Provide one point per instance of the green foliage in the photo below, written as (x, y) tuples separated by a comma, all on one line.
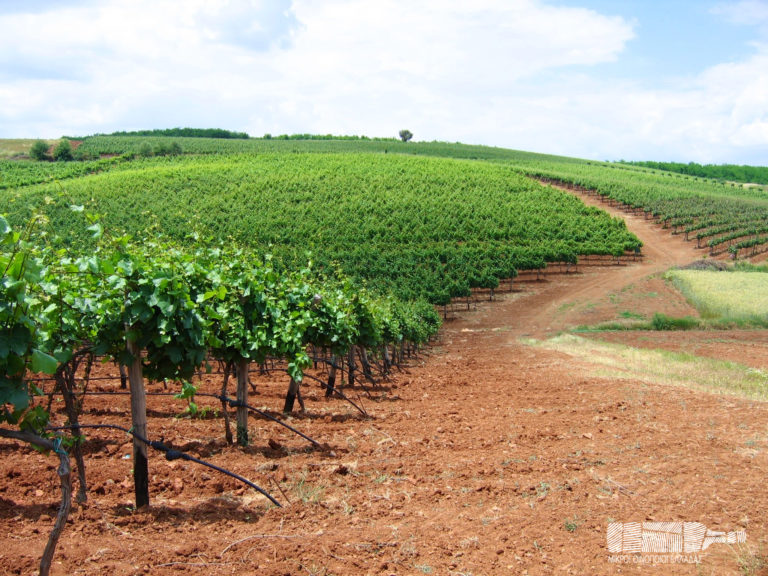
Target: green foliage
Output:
[(165, 148), (416, 228), (63, 151), (187, 133), (663, 322), (177, 306), (84, 155), (145, 150), (21, 349), (405, 135), (39, 150), (731, 172), (187, 393), (16, 175), (723, 218), (148, 294)]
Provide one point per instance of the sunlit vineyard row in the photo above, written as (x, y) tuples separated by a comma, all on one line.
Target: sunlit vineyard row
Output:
[(17, 174), (717, 215), (419, 228)]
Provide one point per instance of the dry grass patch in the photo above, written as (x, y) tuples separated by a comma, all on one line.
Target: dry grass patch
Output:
[(10, 147), (736, 296), (662, 367)]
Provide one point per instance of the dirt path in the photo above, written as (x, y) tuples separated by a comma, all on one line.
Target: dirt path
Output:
[(486, 456), (543, 313)]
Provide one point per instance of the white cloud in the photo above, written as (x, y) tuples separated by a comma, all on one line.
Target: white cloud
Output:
[(745, 12), (516, 73), (375, 65), (333, 66)]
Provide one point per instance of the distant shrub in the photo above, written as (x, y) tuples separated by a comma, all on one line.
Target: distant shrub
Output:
[(160, 149), (39, 150), (145, 149), (63, 151), (82, 155), (167, 149)]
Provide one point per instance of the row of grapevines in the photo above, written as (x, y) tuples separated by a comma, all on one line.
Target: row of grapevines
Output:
[(707, 207), (162, 310), (19, 173), (178, 306), (420, 228)]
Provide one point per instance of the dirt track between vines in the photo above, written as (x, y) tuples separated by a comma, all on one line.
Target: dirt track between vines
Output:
[(485, 456)]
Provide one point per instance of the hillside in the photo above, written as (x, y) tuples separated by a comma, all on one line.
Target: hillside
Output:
[(416, 226), (508, 444)]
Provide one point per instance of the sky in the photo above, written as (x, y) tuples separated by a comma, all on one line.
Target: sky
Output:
[(671, 80)]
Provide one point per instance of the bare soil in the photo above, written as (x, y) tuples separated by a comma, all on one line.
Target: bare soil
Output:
[(482, 456)]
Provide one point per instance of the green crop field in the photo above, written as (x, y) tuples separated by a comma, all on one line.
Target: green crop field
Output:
[(726, 218), (420, 220), (731, 296), (418, 227)]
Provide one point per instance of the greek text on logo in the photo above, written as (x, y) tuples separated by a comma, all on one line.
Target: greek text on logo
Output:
[(666, 537)]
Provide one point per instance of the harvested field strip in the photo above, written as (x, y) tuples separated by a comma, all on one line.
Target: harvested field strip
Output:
[(735, 295)]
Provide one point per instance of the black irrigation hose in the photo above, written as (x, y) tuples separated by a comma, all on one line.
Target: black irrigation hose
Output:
[(232, 403), (339, 392), (236, 404), (110, 378), (172, 454)]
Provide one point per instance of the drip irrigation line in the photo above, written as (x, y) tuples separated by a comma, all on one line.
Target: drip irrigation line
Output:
[(112, 378), (230, 401), (236, 404), (339, 392), (172, 454), (340, 367)]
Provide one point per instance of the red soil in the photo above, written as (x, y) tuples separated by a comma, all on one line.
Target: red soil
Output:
[(484, 456)]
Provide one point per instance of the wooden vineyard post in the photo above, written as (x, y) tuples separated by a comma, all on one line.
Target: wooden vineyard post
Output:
[(138, 425), (242, 400)]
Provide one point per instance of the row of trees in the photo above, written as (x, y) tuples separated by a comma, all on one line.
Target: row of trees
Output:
[(731, 172), (65, 152), (186, 133)]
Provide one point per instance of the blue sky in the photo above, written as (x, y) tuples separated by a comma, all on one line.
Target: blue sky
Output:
[(664, 80)]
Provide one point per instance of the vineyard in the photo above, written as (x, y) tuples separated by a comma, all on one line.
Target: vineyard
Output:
[(726, 219), (303, 271), (418, 228)]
